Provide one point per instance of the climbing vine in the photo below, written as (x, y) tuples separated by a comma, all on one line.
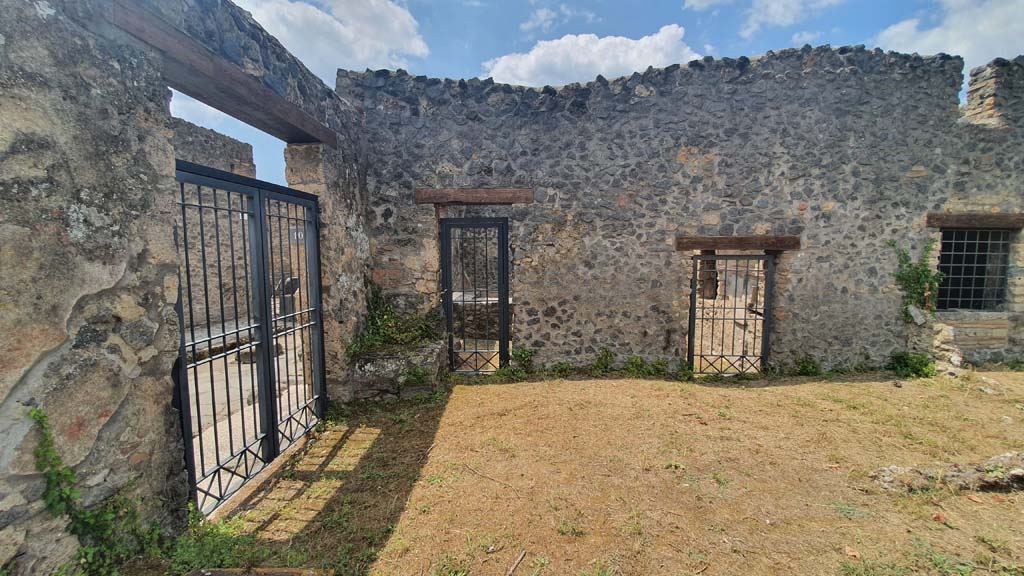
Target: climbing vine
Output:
[(919, 281), (110, 533)]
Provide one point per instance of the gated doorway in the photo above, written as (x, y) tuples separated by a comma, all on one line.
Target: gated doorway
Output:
[(730, 312), (250, 375), (474, 282)]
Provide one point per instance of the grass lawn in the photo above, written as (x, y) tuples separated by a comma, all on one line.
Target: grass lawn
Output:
[(602, 477)]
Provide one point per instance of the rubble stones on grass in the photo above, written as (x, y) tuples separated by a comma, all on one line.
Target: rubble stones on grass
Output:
[(998, 474)]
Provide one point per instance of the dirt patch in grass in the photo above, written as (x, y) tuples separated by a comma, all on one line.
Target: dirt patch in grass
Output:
[(648, 477)]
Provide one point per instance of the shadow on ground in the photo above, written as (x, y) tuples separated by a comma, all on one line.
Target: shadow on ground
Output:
[(334, 505)]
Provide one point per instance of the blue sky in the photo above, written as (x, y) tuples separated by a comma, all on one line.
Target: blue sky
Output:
[(538, 42)]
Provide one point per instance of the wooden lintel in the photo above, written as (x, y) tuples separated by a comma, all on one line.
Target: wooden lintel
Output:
[(980, 220), (473, 196), (193, 69), (761, 242)]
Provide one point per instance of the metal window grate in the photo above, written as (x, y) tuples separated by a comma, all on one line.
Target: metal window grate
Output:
[(974, 265)]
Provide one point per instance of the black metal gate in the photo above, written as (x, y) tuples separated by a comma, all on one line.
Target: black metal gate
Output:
[(730, 312), (250, 375), (474, 281)]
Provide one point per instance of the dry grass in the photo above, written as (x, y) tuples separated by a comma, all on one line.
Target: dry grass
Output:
[(646, 477)]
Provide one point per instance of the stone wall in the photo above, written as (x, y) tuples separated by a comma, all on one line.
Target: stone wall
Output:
[(991, 179), (88, 267), (201, 145), (847, 148), (87, 276)]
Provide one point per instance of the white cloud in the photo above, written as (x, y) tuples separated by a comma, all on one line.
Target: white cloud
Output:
[(805, 37), (581, 57), (545, 19), (781, 13), (542, 19), (704, 4), (978, 30), (334, 34)]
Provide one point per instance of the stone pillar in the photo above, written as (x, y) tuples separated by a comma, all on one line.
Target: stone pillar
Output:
[(996, 94), (333, 175)]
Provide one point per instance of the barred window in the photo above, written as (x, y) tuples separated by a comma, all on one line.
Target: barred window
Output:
[(973, 264)]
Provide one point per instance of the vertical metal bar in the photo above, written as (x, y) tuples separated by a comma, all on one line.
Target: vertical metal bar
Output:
[(237, 323), (769, 297), (300, 304), (209, 341), (251, 315), (503, 345), (274, 268), (446, 289), (223, 325), (283, 316), (185, 399), (313, 241), (690, 341), (295, 320), (264, 310)]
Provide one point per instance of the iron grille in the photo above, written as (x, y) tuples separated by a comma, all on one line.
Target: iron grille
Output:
[(474, 277), (250, 371), (974, 268), (730, 313)]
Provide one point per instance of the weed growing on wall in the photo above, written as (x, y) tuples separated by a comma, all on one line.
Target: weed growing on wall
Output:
[(603, 363), (919, 281), (807, 366), (110, 533), (416, 376), (637, 367), (562, 369), (912, 365), (385, 327), (522, 358), (684, 373)]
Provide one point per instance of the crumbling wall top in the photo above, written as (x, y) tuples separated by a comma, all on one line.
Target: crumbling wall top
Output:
[(996, 94)]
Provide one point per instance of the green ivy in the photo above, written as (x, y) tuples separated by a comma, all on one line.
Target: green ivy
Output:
[(385, 327), (919, 281), (110, 533)]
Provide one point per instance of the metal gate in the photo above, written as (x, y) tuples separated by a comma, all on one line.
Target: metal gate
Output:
[(474, 281), (730, 312), (250, 375)]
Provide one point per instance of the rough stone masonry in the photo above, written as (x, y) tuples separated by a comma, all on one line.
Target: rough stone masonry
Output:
[(847, 148), (88, 266)]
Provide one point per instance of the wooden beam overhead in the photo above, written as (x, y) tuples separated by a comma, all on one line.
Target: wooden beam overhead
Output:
[(976, 220), (737, 243), (473, 196), (193, 69)]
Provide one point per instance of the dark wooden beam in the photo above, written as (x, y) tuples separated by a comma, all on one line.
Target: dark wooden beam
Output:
[(737, 243), (975, 220), (473, 196), (193, 69)]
